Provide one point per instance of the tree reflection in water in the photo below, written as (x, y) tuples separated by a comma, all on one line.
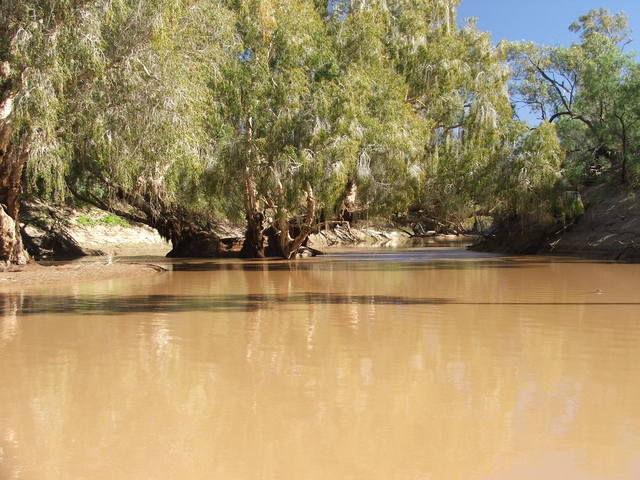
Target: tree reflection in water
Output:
[(321, 373)]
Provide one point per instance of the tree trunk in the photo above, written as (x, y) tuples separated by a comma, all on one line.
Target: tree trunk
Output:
[(624, 151), (194, 244), (253, 246), (13, 158), (350, 202), (286, 246), (280, 239), (305, 229), (190, 234), (284, 236)]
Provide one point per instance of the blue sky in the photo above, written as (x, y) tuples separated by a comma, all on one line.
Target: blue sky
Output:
[(542, 21)]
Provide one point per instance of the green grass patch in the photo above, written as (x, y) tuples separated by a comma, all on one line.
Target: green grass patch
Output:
[(86, 221), (114, 220), (108, 220)]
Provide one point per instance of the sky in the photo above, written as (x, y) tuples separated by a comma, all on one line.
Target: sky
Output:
[(542, 21)]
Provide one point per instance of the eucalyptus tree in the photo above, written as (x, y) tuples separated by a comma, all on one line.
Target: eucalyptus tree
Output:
[(457, 85), (421, 104), (627, 125), (32, 37), (137, 132), (477, 158), (584, 88), (527, 183), (378, 135), (263, 118), (310, 104), (104, 98)]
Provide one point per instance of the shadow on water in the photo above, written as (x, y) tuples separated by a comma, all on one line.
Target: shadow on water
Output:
[(281, 266), (115, 305), (43, 304), (423, 259)]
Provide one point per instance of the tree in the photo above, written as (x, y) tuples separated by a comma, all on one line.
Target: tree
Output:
[(176, 113), (583, 89), (457, 85), (528, 179), (309, 107), (31, 35), (263, 118), (113, 111), (137, 132)]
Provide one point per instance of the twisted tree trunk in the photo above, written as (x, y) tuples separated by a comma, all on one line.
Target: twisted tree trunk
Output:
[(288, 247), (253, 246), (305, 229), (13, 158)]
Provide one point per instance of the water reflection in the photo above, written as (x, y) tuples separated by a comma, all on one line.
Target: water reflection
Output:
[(113, 305), (473, 373), (366, 261)]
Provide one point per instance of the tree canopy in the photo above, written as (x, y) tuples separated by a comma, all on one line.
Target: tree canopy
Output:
[(284, 114), (590, 90)]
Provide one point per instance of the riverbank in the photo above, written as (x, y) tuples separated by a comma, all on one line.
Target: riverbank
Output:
[(34, 275), (609, 229), (54, 232), (344, 235), (58, 232)]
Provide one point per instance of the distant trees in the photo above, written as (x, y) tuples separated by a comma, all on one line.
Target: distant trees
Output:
[(589, 90), (528, 178), (457, 85)]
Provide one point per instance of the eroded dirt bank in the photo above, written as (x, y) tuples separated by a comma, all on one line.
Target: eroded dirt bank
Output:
[(609, 229), (58, 232), (54, 232)]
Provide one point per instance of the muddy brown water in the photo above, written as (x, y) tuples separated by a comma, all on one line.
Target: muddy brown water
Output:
[(416, 364)]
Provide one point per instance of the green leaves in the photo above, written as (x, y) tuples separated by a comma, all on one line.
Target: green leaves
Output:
[(177, 100), (601, 22), (586, 89)]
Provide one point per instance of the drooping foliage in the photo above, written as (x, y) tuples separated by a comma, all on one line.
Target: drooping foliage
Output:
[(34, 64), (284, 114), (391, 98), (527, 182), (133, 124)]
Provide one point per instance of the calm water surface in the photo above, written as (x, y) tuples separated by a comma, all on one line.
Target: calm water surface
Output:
[(418, 364)]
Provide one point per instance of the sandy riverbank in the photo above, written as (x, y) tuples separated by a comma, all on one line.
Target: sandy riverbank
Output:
[(35, 275)]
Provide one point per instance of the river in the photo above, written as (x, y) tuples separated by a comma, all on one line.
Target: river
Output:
[(398, 364)]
